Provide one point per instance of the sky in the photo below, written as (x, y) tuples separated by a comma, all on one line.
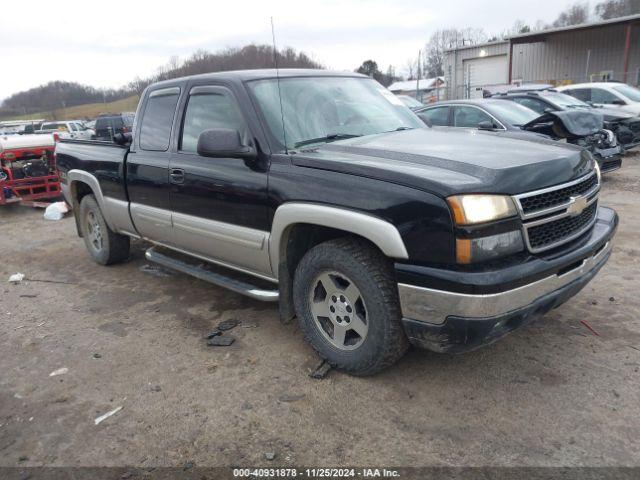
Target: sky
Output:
[(107, 44)]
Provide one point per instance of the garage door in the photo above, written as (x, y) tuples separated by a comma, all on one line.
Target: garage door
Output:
[(483, 73)]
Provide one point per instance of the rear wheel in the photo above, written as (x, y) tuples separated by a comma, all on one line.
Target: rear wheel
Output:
[(347, 305), (104, 245)]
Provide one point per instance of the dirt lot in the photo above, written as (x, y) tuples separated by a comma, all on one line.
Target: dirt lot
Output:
[(552, 393)]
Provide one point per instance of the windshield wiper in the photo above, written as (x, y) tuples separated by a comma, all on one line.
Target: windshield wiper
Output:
[(328, 138)]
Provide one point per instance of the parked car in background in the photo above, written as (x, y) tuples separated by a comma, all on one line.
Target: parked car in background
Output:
[(624, 125), (615, 95), (19, 127), (322, 191), (410, 102), (522, 122), (109, 125), (88, 131), (66, 129)]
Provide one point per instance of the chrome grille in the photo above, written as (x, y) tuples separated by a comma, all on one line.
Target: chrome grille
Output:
[(556, 215), (555, 197)]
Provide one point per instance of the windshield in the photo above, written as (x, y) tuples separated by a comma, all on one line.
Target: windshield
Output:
[(631, 93), (565, 101), (410, 101), (329, 108), (513, 113)]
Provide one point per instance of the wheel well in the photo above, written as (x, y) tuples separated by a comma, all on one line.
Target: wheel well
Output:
[(297, 240), (79, 190)]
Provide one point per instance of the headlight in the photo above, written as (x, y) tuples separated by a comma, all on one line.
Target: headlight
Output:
[(479, 208)]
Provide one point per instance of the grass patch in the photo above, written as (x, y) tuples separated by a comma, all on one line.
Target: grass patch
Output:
[(90, 110)]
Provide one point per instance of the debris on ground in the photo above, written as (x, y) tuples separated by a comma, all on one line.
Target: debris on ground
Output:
[(155, 270), (218, 331), (16, 278), (187, 466), (50, 281), (591, 329), (228, 324), (321, 370), (97, 355), (249, 324), (156, 388), (286, 398), (270, 456), (102, 418), (213, 333), (612, 299), (60, 371), (56, 211), (28, 296), (221, 341), (212, 367)]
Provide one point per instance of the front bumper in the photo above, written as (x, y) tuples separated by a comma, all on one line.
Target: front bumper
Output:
[(459, 319), (609, 159)]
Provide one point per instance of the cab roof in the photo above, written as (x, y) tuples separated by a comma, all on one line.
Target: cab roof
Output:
[(260, 74)]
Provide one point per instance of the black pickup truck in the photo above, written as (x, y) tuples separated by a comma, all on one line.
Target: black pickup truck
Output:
[(322, 191)]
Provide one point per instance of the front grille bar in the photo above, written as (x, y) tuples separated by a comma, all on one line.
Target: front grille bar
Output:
[(555, 208), (555, 213)]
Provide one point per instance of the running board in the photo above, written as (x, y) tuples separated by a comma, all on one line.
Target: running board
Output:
[(233, 284)]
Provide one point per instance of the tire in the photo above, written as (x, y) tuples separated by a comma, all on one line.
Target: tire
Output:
[(363, 334), (104, 245)]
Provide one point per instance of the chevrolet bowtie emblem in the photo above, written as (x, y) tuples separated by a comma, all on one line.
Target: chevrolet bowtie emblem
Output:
[(576, 205)]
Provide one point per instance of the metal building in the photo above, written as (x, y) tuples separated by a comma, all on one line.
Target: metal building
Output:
[(606, 50)]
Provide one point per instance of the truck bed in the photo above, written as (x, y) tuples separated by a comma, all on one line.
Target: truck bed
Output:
[(104, 160)]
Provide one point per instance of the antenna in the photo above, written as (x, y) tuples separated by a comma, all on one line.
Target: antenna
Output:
[(275, 61)]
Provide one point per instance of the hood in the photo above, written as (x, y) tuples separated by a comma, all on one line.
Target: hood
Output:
[(452, 161), (613, 114), (569, 124)]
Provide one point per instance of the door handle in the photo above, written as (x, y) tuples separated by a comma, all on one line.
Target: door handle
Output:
[(176, 175)]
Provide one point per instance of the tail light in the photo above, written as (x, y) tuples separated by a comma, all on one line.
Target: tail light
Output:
[(56, 137)]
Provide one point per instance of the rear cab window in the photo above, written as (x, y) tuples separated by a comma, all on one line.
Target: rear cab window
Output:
[(157, 119)]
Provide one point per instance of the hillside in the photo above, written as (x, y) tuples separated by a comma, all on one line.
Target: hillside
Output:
[(89, 110)]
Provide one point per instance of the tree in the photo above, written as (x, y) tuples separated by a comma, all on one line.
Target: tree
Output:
[(576, 14), (370, 68), (442, 40), (617, 8)]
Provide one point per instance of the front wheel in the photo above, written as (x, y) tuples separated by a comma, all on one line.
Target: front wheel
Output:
[(347, 304), (104, 245)]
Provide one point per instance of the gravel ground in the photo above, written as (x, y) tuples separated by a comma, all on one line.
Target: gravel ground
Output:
[(550, 394)]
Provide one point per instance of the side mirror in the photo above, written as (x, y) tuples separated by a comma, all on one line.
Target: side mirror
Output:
[(223, 142), (618, 102), (426, 120), (486, 125)]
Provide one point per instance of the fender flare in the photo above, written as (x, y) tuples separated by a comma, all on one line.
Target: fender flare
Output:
[(380, 232), (75, 176)]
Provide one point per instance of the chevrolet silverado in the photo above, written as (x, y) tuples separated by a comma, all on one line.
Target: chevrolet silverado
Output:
[(324, 192)]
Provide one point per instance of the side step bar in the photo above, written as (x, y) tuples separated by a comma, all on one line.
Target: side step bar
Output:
[(233, 284)]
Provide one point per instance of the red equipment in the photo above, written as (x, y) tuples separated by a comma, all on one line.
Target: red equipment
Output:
[(27, 168)]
